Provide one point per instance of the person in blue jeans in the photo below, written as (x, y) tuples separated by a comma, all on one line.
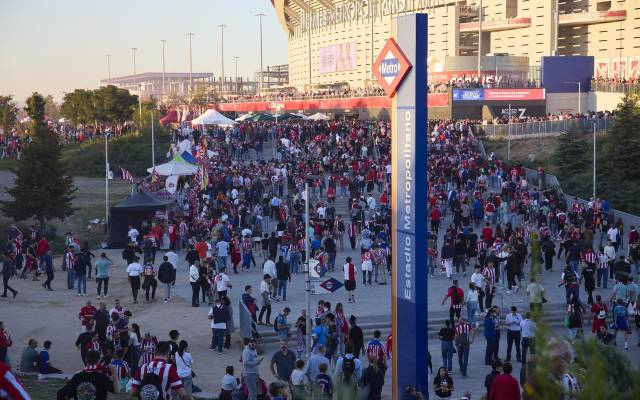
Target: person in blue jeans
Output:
[(464, 333), (491, 335), (283, 273), (219, 316), (446, 336), (282, 326)]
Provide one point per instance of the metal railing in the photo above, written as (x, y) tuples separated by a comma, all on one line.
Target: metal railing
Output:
[(615, 87), (541, 127)]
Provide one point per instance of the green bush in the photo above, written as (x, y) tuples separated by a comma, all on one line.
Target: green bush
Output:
[(131, 151)]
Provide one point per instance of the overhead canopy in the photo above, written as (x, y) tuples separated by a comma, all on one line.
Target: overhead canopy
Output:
[(177, 166), (170, 118), (244, 117), (212, 117), (319, 117), (142, 201), (287, 116), (262, 117), (188, 157), (133, 211)]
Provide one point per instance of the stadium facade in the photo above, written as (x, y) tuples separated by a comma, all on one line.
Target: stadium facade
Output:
[(336, 41)]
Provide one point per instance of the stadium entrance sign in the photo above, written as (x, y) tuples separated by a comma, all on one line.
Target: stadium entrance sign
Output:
[(403, 75), (391, 67)]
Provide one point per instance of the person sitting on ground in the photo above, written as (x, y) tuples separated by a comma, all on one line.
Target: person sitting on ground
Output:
[(44, 361), (30, 357)]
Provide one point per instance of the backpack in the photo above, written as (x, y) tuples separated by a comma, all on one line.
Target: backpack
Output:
[(462, 339), (275, 323), (348, 366), (151, 387)]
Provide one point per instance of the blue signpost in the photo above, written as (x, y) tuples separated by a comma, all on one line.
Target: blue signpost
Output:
[(405, 58)]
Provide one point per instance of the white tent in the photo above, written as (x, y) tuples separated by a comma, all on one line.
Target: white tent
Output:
[(177, 166), (174, 168), (319, 117), (212, 117)]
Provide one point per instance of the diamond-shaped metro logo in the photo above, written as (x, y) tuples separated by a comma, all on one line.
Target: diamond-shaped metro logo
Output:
[(391, 67)]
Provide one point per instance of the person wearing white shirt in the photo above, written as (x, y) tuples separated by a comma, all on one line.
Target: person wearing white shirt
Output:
[(512, 321), (528, 328), (612, 234), (478, 279), (269, 268), (133, 234), (265, 304), (173, 259), (223, 251), (194, 281), (471, 300), (184, 361), (229, 382), (133, 271), (222, 283)]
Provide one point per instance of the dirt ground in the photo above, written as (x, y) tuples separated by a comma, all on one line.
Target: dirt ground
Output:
[(43, 315)]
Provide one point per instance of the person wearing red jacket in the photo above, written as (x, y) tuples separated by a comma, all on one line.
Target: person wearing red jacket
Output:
[(10, 387), (505, 386)]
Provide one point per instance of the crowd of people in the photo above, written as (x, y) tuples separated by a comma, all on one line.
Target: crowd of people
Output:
[(245, 211)]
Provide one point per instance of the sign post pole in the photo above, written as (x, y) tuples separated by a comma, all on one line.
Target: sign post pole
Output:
[(406, 58)]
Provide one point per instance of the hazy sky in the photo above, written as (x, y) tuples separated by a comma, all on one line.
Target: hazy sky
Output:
[(56, 46)]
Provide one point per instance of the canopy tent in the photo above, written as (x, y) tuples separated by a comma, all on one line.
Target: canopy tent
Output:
[(244, 117), (287, 116), (319, 117), (177, 166), (185, 145), (262, 117), (188, 157), (133, 210), (212, 117), (171, 118)]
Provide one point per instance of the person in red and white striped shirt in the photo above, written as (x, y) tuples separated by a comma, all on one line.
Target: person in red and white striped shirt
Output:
[(168, 374), (10, 387), (464, 334)]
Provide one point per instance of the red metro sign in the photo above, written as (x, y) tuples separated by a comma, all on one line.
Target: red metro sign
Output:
[(391, 67)]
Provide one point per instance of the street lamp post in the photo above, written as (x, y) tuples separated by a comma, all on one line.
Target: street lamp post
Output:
[(509, 139), (106, 180), (260, 15), (135, 83), (236, 58), (190, 34), (222, 26), (479, 40), (163, 71), (579, 94), (594, 161), (109, 66)]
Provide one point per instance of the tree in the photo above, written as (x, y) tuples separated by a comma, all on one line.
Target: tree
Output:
[(51, 109), (621, 149), (114, 105), (42, 188), (78, 106), (572, 154), (8, 113)]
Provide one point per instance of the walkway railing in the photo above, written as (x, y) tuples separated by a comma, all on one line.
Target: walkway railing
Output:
[(615, 87), (540, 127)]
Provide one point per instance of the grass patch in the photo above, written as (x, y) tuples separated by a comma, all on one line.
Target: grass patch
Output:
[(8, 163)]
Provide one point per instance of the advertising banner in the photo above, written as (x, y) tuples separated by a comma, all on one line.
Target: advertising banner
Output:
[(602, 68), (337, 58), (468, 94), (634, 67), (513, 94), (619, 67)]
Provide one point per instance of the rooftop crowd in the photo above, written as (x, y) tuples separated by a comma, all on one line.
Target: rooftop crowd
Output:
[(245, 211)]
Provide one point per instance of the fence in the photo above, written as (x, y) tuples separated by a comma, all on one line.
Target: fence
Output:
[(541, 127), (615, 87), (552, 181)]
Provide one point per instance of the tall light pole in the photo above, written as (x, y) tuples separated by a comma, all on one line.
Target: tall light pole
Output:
[(579, 94), (135, 84), (260, 15), (479, 40), (509, 138), (109, 65), (556, 50), (236, 58), (190, 34), (163, 71), (222, 26), (594, 161)]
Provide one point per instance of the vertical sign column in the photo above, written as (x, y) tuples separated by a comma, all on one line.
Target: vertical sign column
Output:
[(409, 205)]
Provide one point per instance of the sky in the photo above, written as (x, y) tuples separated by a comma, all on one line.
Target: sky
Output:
[(56, 46)]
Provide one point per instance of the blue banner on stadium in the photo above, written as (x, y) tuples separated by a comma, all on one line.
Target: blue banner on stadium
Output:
[(468, 94)]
